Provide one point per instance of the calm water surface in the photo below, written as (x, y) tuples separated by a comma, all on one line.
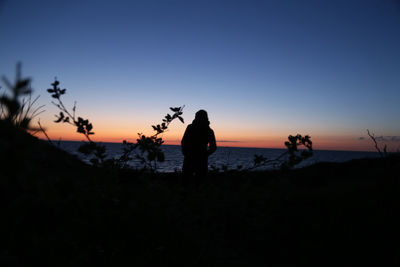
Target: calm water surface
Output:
[(229, 156)]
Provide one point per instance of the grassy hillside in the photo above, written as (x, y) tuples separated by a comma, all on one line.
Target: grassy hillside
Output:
[(58, 211)]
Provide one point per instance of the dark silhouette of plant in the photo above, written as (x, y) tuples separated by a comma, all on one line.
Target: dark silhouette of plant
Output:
[(222, 168), (99, 153), (44, 132), (150, 146), (296, 156), (82, 126), (382, 154), (289, 158), (125, 158), (18, 108)]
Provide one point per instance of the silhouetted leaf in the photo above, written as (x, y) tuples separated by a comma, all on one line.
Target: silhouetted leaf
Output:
[(80, 129), (86, 148), (22, 83), (287, 144), (60, 118), (181, 119)]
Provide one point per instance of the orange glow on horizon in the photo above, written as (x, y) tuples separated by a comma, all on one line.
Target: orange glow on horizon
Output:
[(229, 136), (350, 143)]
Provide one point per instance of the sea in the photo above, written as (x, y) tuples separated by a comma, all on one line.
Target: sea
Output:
[(230, 157)]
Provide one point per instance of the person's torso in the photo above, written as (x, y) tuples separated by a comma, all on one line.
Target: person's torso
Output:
[(197, 139)]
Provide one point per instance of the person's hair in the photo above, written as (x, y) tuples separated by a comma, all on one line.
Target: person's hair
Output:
[(201, 115)]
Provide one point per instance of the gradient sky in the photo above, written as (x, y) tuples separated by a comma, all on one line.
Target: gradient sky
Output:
[(262, 69)]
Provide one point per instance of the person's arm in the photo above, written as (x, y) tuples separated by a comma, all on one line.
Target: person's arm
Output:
[(185, 140), (213, 144)]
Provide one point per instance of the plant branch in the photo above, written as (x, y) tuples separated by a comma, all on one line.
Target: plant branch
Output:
[(44, 132), (372, 136)]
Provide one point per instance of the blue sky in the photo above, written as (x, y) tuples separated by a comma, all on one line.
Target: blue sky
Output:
[(262, 69)]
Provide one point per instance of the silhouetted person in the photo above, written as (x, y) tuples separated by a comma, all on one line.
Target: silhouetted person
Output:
[(198, 143)]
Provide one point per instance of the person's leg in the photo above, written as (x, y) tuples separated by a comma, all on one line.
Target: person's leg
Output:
[(187, 168), (201, 170)]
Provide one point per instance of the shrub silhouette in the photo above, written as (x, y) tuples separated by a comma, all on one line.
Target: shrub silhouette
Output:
[(149, 146), (18, 108), (286, 160), (289, 158), (373, 138), (292, 146), (83, 126)]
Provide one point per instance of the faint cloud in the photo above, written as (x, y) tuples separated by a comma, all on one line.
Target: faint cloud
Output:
[(380, 138), (395, 139), (386, 138)]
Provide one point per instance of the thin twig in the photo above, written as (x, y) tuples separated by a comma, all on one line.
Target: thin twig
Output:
[(372, 136), (73, 111), (61, 106), (34, 114), (44, 132)]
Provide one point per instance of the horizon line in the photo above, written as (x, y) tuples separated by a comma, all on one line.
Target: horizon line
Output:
[(113, 142)]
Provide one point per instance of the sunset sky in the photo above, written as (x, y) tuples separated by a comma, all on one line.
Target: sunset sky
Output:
[(262, 69)]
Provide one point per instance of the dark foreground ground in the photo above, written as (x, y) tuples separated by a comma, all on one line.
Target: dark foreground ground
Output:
[(56, 211)]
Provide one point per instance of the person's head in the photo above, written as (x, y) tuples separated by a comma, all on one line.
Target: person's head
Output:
[(201, 117)]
